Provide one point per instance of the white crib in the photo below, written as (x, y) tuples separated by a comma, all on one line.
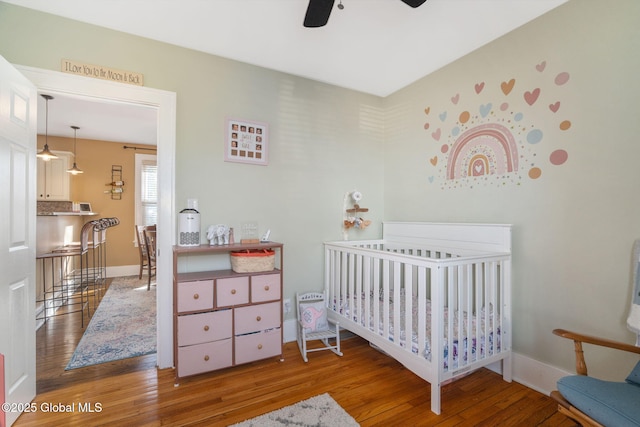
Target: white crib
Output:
[(436, 297)]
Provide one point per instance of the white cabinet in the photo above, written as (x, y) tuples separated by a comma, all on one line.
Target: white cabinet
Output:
[(53, 178), (223, 318)]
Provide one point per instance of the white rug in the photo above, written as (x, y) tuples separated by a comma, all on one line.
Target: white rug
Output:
[(318, 411)]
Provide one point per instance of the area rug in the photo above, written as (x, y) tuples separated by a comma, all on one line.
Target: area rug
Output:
[(123, 326), (318, 411)]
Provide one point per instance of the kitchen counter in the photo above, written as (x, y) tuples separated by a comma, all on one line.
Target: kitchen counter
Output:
[(67, 213)]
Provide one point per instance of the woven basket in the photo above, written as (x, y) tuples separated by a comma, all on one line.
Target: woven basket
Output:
[(253, 261)]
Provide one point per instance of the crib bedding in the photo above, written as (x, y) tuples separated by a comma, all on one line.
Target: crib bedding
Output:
[(484, 346)]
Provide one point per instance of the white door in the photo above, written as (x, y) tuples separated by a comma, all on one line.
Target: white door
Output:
[(18, 110)]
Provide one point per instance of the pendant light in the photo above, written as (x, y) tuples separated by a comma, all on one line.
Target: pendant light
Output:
[(45, 154), (75, 170)]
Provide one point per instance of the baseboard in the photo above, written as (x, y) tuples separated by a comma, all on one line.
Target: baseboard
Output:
[(536, 375), (123, 270), (289, 331)]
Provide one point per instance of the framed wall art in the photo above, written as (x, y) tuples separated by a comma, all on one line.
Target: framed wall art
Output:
[(247, 142)]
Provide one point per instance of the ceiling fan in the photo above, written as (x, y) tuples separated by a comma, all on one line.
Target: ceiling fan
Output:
[(318, 11)]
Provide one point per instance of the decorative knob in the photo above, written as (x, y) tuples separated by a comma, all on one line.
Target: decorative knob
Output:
[(266, 288), (206, 358), (206, 327), (233, 291), (258, 318), (259, 346), (196, 296)]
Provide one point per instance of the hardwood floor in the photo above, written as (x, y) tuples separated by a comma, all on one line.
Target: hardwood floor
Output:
[(373, 388)]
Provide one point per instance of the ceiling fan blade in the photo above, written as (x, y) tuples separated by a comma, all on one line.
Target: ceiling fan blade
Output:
[(414, 3), (318, 13)]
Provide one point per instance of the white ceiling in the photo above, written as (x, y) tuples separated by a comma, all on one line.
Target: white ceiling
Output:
[(372, 46)]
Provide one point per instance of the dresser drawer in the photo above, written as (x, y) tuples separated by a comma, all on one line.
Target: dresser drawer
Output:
[(210, 356), (265, 287), (204, 327), (258, 346), (196, 295), (232, 291), (257, 318)]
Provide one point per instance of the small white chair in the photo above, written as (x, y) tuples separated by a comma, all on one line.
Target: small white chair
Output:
[(313, 324)]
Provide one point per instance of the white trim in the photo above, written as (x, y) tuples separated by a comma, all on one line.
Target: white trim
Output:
[(536, 375), (165, 102)]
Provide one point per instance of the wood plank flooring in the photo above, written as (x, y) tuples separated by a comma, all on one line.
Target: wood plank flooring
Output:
[(375, 389)]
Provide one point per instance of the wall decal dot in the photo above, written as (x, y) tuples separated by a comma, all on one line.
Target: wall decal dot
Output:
[(426, 126), (464, 117), (534, 136), (444, 148), (562, 78), (565, 125), (535, 173), (517, 117), (504, 106), (558, 157), (455, 131)]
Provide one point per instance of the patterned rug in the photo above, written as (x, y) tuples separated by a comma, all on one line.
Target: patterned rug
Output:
[(318, 411), (123, 326)]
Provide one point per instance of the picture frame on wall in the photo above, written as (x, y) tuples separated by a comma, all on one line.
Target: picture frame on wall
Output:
[(246, 142)]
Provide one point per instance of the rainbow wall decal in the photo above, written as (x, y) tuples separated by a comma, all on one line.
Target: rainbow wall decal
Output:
[(489, 136), (488, 149)]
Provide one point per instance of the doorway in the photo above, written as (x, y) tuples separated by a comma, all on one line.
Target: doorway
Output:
[(165, 102)]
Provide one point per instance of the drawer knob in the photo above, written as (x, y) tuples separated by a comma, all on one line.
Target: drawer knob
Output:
[(206, 327), (206, 358), (266, 288), (258, 318), (259, 346), (196, 296), (233, 291)]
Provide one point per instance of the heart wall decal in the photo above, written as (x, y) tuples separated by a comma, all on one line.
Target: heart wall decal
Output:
[(532, 97), (479, 87), (507, 87), (554, 107)]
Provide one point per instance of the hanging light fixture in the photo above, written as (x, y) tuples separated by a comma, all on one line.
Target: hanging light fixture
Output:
[(45, 154), (75, 170)]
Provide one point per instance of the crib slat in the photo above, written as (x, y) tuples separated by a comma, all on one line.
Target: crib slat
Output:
[(385, 298), (366, 277), (408, 305)]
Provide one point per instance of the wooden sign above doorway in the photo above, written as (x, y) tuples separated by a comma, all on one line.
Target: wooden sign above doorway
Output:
[(100, 72)]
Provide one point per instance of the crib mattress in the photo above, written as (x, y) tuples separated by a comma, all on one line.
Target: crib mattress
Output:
[(479, 345)]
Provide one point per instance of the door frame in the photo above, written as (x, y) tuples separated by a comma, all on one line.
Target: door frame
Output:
[(165, 102)]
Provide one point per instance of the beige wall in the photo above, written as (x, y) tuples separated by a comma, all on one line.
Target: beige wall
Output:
[(95, 158), (573, 226)]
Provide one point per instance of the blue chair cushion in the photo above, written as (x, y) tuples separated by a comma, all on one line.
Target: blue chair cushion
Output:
[(609, 403), (634, 376)]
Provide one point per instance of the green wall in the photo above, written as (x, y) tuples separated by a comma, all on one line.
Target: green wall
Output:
[(574, 224), (324, 140)]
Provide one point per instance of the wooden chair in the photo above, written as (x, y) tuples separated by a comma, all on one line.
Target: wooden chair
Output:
[(583, 410), (313, 324), (150, 245), (142, 249)]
